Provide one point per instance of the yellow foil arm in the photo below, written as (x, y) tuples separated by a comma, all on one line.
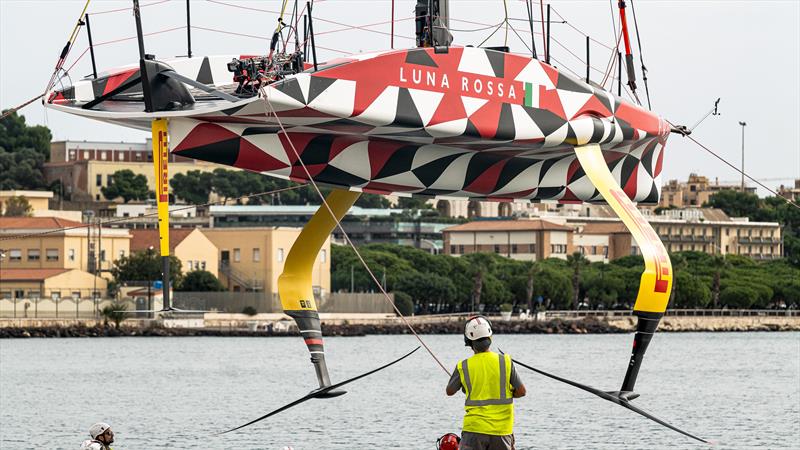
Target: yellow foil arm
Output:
[(656, 282)]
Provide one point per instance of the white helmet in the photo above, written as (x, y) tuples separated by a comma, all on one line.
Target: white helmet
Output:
[(477, 327), (98, 429)]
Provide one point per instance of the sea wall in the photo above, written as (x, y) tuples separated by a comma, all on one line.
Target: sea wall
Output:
[(361, 325)]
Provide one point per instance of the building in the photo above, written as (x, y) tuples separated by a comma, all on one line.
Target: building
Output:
[(54, 243), (40, 204), (523, 239), (603, 241), (252, 259), (84, 168), (54, 256), (694, 192), (790, 193), (33, 285), (190, 246)]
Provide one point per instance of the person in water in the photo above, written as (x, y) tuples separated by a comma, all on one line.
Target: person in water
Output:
[(490, 383), (101, 437)]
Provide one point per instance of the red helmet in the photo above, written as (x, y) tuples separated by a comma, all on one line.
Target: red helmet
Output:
[(449, 441)]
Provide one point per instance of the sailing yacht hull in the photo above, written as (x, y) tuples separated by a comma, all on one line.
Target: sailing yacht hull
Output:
[(469, 123)]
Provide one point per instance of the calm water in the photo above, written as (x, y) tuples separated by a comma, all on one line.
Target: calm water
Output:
[(742, 390)]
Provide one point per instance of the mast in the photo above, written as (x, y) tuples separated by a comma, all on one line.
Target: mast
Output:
[(628, 53)]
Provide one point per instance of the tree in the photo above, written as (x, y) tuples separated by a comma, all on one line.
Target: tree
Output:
[(738, 297), (719, 263), (126, 184), (413, 203), (576, 261), (16, 206), (115, 312), (200, 281), (404, 303), (735, 203), (690, 291), (145, 266), (372, 201), (194, 187), (23, 152)]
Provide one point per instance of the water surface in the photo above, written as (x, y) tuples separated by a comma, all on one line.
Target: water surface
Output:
[(740, 389)]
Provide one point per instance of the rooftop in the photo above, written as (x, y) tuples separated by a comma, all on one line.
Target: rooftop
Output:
[(30, 274), (38, 223), (144, 239), (508, 225)]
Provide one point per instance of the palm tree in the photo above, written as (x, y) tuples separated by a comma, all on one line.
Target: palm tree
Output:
[(532, 271), (576, 260), (481, 264), (719, 263)]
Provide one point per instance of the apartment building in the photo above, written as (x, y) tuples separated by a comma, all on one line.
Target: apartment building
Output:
[(695, 191), (85, 167), (57, 255), (252, 259), (522, 239)]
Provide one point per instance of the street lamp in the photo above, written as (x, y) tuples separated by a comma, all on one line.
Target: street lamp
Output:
[(743, 124)]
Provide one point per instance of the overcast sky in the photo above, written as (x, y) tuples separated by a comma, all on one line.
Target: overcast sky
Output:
[(746, 52)]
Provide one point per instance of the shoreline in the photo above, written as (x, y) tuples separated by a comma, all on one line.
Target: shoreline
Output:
[(241, 327)]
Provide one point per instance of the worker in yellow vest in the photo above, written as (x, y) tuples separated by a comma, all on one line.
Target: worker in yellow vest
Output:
[(490, 383)]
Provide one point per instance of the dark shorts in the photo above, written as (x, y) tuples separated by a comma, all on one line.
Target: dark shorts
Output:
[(477, 441)]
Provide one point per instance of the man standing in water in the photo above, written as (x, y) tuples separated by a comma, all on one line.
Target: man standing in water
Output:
[(101, 437), (491, 384)]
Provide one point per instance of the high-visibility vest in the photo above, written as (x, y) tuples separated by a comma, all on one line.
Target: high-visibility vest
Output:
[(489, 404)]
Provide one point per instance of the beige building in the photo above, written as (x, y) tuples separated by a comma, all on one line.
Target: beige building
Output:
[(190, 246), (603, 241), (694, 192), (39, 201), (790, 193), (54, 243), (252, 259), (83, 180), (529, 240), (55, 285)]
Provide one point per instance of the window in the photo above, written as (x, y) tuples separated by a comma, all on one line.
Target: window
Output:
[(138, 156), (15, 255), (237, 255), (72, 155), (76, 295), (98, 180), (34, 254), (5, 294), (558, 248), (256, 254), (55, 295), (109, 180), (453, 250), (496, 248), (323, 256), (460, 249), (85, 154), (514, 248), (52, 254), (71, 254), (280, 255), (103, 156), (102, 255), (202, 265)]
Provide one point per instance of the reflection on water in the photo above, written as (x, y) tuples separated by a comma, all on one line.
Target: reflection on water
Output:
[(741, 389)]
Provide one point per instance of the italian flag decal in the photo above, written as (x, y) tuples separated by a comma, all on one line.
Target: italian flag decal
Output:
[(529, 96)]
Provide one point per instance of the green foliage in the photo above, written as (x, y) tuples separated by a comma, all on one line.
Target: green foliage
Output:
[(126, 184), (736, 297), (16, 206), (506, 307), (735, 203), (413, 203), (115, 312), (690, 291), (404, 303), (194, 187), (23, 152), (145, 266), (372, 201), (249, 310), (200, 281), (448, 283)]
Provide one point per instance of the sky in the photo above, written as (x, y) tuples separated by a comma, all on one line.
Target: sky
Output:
[(745, 52)]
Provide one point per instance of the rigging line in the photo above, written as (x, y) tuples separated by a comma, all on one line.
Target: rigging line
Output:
[(520, 38), (10, 111), (612, 62), (789, 201), (346, 236), (153, 214), (613, 19), (67, 48), (490, 36), (262, 38), (546, 53), (505, 9), (97, 13), (565, 21), (641, 56)]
